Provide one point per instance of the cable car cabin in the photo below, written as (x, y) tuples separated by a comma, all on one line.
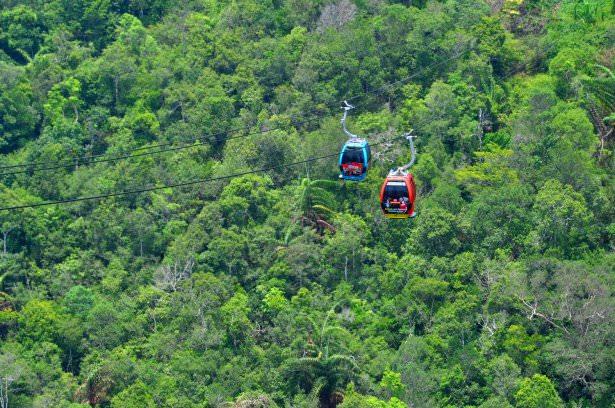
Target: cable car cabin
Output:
[(397, 196), (354, 160)]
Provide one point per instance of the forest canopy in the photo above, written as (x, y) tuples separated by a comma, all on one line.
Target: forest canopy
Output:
[(271, 283)]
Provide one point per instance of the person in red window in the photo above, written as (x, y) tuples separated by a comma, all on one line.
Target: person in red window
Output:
[(403, 206), (352, 168), (358, 168)]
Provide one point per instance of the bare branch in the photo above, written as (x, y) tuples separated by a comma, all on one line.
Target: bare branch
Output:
[(169, 277), (336, 15)]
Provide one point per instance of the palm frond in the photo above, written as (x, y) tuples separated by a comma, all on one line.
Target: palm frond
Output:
[(325, 184), (335, 329), (337, 360), (323, 208)]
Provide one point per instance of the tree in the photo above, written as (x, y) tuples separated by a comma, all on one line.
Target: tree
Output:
[(344, 246), (274, 300), (40, 319), (391, 381), (79, 300), (170, 277), (563, 223), (18, 115), (490, 170), (228, 252), (443, 114), (496, 402), (504, 376), (356, 400), (537, 391), (336, 15), (11, 371), (315, 202), (122, 63), (435, 234), (601, 104), (254, 401), (499, 218), (246, 199), (568, 65), (235, 317), (22, 31), (137, 395), (63, 96), (325, 366), (575, 306)]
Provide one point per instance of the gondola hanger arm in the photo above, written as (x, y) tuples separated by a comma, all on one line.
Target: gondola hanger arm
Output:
[(404, 169), (346, 108)]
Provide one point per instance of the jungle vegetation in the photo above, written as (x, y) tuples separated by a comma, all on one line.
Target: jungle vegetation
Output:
[(285, 287)]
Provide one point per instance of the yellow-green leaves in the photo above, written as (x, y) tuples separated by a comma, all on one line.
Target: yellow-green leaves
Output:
[(537, 392), (492, 169)]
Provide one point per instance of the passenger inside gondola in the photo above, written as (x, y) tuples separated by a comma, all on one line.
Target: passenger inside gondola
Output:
[(352, 161), (396, 198)]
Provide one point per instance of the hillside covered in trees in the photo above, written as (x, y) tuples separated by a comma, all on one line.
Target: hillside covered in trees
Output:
[(263, 281)]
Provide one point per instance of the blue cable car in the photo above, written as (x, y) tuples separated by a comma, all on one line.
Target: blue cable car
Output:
[(355, 155), (354, 160)]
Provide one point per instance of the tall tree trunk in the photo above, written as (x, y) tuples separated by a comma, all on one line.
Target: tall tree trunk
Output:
[(604, 131), (116, 83), (5, 237)]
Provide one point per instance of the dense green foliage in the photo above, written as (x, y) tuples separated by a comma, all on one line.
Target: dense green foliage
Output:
[(285, 287)]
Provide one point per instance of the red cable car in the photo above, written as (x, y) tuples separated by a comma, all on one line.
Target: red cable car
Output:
[(397, 196), (398, 192)]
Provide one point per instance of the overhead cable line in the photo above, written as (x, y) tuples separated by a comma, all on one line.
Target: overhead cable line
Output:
[(85, 158), (137, 191), (130, 156), (172, 185)]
